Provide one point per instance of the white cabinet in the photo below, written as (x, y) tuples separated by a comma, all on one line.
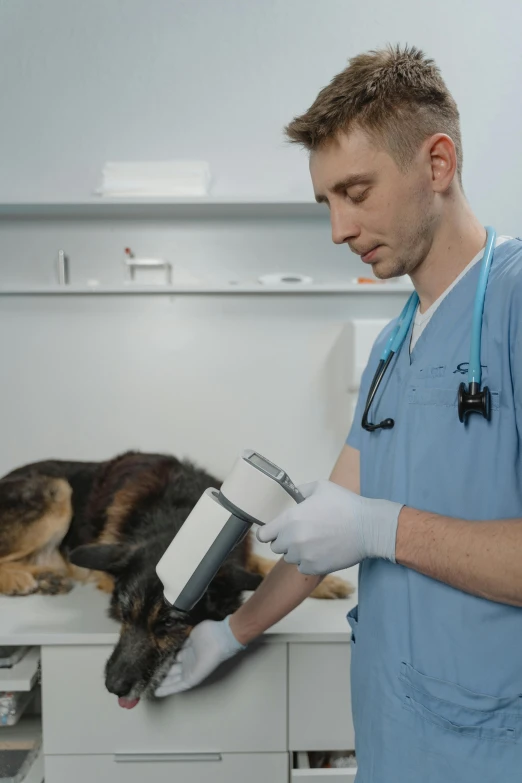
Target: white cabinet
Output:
[(320, 710), (244, 709), (217, 768), (242, 725)]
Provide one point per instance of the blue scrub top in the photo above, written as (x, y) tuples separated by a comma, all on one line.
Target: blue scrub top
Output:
[(437, 673)]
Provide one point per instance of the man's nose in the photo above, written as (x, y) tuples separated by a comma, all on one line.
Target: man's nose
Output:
[(344, 225)]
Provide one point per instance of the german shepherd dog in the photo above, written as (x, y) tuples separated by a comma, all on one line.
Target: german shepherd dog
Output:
[(109, 523)]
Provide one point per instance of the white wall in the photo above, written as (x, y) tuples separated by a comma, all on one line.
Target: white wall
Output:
[(215, 79), (200, 377), (82, 83)]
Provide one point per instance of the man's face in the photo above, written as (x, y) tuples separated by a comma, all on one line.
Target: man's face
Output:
[(373, 204)]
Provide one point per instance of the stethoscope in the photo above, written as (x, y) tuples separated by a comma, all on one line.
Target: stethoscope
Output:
[(471, 399)]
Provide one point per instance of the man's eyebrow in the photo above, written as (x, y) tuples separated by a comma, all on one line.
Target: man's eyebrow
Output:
[(348, 182)]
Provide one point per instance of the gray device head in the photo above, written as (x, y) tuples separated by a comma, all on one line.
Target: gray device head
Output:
[(277, 474)]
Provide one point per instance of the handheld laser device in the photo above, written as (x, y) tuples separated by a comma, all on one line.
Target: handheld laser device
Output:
[(254, 492)]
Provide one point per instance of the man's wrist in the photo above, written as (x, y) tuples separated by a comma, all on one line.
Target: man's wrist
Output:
[(415, 534), (235, 643), (379, 528), (242, 632)]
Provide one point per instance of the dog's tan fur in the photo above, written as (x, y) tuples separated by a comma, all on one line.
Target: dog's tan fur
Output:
[(30, 560), (36, 560)]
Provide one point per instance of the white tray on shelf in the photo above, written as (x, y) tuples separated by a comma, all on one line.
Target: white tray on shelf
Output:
[(22, 676)]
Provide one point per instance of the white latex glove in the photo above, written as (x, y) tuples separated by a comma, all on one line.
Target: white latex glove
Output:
[(333, 528), (209, 644)]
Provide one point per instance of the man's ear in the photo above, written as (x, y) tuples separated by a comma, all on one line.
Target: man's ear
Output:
[(111, 558)]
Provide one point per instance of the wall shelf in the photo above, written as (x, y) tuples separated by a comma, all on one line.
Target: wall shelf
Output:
[(251, 289), (164, 208)]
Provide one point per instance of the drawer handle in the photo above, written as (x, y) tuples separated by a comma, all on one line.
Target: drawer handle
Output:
[(124, 758)]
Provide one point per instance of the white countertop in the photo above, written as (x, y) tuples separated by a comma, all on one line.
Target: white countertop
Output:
[(81, 618)]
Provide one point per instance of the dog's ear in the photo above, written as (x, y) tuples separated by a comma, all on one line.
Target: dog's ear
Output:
[(111, 558)]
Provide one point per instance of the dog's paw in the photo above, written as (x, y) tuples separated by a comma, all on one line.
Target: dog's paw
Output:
[(51, 583), (333, 587), (17, 583)]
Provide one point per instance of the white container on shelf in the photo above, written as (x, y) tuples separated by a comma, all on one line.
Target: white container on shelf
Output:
[(12, 706)]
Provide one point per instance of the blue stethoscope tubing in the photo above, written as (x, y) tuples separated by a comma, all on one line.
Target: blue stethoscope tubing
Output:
[(478, 400), (474, 370)]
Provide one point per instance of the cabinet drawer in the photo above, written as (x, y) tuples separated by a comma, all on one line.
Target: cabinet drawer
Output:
[(317, 776), (241, 708), (303, 772), (226, 768), (320, 710)]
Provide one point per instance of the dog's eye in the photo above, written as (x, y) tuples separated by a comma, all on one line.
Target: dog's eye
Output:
[(165, 626), (161, 630)]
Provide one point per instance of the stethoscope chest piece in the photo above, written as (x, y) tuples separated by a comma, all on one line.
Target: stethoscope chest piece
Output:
[(474, 401)]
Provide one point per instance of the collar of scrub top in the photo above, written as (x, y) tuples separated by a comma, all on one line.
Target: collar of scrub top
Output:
[(471, 399)]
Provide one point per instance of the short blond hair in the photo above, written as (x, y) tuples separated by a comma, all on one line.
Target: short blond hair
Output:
[(397, 96)]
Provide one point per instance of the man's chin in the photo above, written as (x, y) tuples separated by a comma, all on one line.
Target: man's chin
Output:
[(383, 272)]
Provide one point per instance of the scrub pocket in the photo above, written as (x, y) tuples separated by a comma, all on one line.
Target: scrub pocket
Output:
[(460, 711), (448, 398), (358, 678), (353, 621)]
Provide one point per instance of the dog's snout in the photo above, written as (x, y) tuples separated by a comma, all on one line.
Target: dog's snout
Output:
[(126, 669), (120, 683)]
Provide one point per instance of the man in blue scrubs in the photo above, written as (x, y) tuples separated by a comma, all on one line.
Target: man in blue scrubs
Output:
[(431, 508)]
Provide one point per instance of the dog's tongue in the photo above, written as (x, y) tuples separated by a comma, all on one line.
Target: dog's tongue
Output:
[(127, 704)]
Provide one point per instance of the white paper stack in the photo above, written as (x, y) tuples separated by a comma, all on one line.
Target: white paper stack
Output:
[(149, 179)]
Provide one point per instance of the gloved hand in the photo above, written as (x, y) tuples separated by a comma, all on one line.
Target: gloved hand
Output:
[(333, 528), (209, 644)]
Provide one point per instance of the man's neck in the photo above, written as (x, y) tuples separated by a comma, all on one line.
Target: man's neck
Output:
[(457, 242)]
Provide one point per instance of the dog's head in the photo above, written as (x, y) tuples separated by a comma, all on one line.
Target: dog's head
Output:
[(151, 632)]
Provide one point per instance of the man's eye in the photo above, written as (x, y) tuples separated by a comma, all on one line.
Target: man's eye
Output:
[(359, 197)]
